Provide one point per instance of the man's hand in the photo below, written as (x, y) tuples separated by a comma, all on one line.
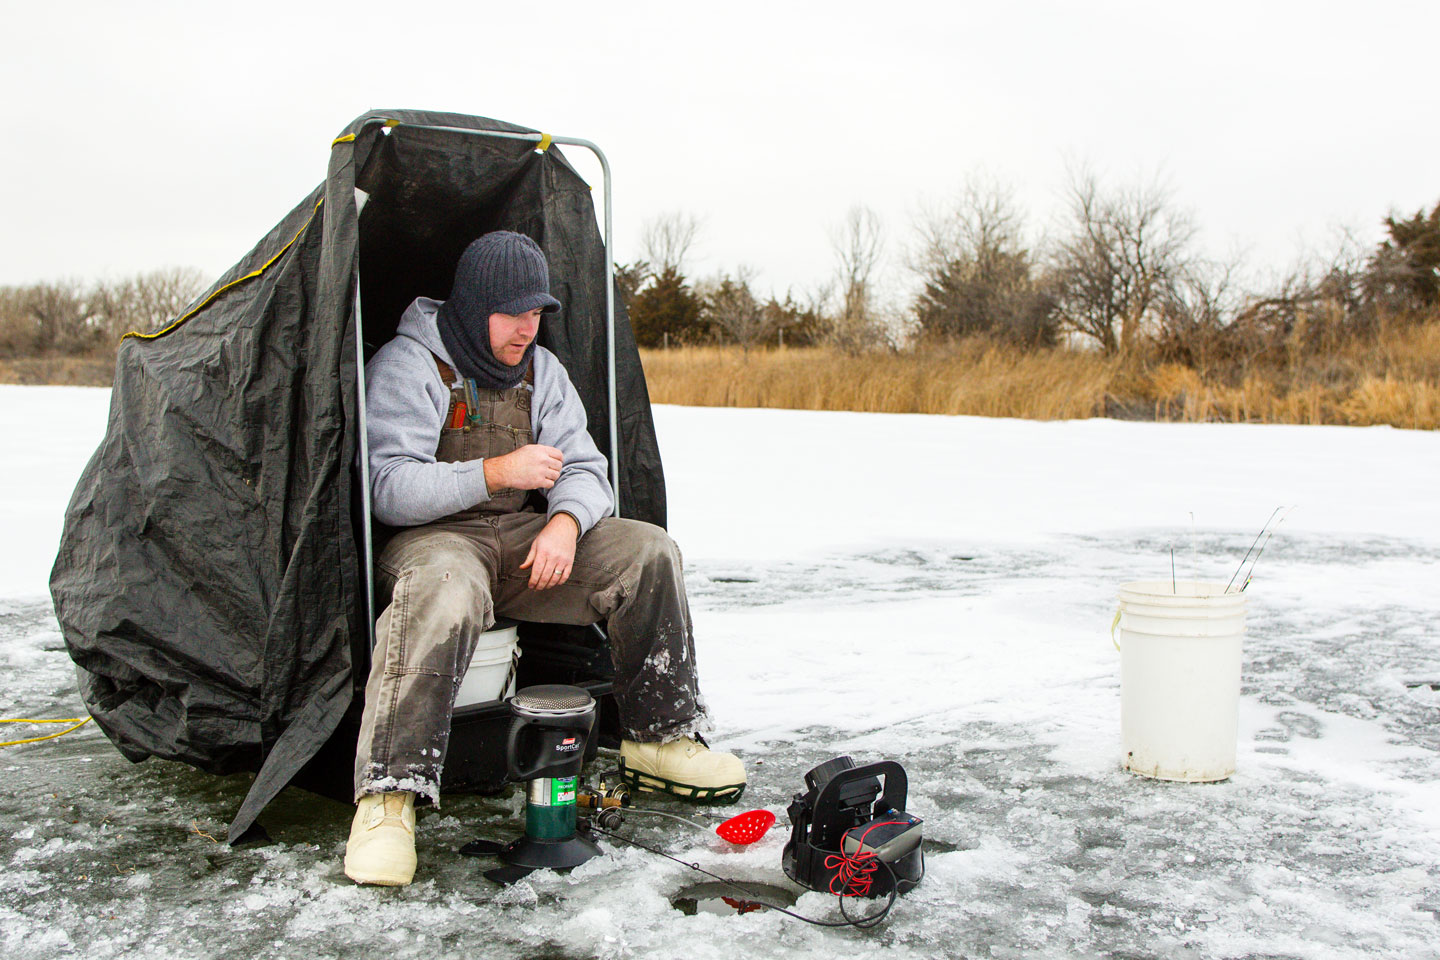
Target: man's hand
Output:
[(532, 467), (552, 555)]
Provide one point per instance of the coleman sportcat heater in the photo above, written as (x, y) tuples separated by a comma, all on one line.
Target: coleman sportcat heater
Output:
[(549, 727)]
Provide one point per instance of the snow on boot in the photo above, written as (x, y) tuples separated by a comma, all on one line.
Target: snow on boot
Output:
[(687, 768), (381, 848)]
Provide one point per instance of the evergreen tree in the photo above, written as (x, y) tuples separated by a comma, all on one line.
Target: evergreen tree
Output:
[(666, 305), (800, 325), (629, 278), (1404, 273), (979, 279), (987, 291)]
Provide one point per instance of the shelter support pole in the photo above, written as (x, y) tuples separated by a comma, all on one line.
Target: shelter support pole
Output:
[(367, 540)]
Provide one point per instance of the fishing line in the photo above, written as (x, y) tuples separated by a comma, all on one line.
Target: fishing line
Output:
[(661, 813), (861, 923)]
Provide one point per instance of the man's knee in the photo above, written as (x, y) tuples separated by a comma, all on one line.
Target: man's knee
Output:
[(649, 547)]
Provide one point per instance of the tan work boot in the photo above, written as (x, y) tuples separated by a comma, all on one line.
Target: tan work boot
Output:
[(687, 768), (381, 848)]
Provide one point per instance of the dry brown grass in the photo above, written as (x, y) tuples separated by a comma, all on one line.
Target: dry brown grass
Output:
[(1393, 379), (969, 378)]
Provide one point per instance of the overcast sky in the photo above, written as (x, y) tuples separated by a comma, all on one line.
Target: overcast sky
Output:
[(142, 135)]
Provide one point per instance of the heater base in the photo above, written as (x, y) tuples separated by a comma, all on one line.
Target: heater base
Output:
[(549, 854)]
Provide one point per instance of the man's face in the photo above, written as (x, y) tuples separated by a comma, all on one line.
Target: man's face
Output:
[(510, 335)]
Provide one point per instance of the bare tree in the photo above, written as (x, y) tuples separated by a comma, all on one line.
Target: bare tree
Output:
[(1195, 313), (731, 308), (162, 295), (1122, 251), (64, 316), (982, 218), (1313, 305), (666, 240), (148, 301), (859, 247), (16, 326), (72, 318)]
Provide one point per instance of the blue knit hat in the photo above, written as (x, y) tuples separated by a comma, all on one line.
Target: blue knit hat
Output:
[(501, 272)]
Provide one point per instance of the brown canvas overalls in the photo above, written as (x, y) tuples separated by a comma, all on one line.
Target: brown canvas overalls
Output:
[(444, 584)]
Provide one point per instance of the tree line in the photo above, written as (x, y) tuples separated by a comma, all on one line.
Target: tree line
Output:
[(1121, 272), (73, 318)]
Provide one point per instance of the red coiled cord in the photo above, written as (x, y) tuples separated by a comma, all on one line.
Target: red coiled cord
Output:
[(854, 872)]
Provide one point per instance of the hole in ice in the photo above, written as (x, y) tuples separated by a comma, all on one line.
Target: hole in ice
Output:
[(726, 901)]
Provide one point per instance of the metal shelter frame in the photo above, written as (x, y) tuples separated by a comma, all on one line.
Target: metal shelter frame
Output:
[(543, 142)]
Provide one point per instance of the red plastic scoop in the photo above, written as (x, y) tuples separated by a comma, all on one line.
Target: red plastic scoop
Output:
[(746, 827)]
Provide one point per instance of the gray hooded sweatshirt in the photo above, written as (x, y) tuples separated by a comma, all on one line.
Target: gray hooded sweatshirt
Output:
[(405, 405)]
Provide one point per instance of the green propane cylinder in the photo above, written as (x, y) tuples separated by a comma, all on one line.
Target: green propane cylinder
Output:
[(550, 808)]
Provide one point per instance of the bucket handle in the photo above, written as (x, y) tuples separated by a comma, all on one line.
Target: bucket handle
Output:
[(1113, 624)]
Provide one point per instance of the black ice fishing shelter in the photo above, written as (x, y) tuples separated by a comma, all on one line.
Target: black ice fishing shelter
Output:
[(211, 582)]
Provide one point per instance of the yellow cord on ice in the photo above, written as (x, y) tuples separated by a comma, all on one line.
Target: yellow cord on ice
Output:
[(75, 720)]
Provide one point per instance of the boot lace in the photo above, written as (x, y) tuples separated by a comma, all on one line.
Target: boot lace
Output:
[(382, 811)]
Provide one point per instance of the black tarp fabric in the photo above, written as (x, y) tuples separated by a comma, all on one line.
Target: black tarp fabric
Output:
[(209, 583)]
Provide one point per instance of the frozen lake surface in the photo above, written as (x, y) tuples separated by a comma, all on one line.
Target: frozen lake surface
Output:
[(932, 590)]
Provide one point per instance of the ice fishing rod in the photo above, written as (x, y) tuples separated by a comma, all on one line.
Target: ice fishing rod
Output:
[(1267, 532), (1251, 575), (1251, 550)]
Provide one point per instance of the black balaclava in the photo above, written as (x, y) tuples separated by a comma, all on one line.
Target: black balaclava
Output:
[(501, 272)]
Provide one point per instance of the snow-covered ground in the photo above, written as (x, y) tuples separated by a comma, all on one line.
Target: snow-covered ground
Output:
[(932, 590)]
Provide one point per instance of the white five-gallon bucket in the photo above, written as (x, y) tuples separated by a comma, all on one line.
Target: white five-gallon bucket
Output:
[(1179, 678), (492, 669)]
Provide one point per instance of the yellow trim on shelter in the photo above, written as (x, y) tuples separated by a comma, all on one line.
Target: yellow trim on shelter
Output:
[(233, 283), (349, 137)]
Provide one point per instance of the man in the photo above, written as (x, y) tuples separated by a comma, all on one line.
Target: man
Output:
[(467, 416)]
